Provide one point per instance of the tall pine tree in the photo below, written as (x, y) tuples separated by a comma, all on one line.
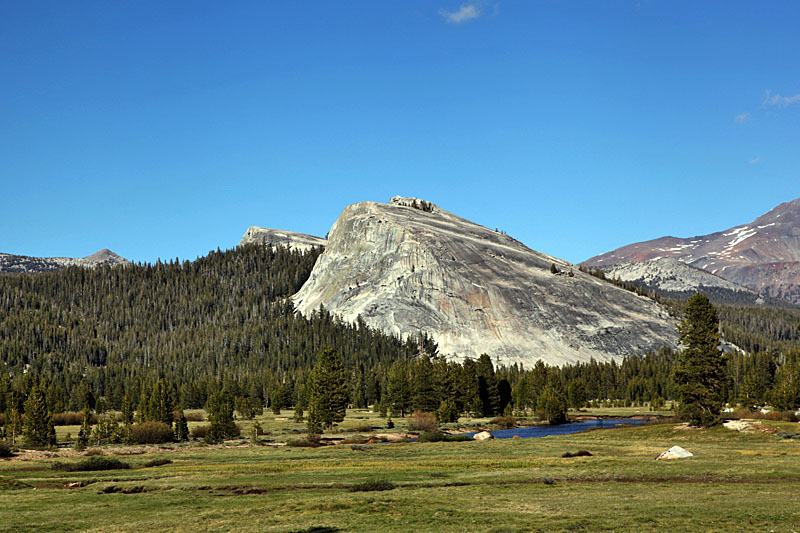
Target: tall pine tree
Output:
[(328, 392), (700, 371), (38, 429)]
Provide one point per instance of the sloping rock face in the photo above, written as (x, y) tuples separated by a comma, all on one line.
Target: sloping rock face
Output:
[(24, 263), (408, 269), (274, 237), (763, 255), (670, 274)]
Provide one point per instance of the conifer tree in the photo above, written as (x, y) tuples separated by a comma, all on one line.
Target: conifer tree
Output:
[(162, 403), (220, 414), (487, 386), (397, 398), (329, 392), (127, 409), (38, 429), (553, 402), (424, 397), (181, 428), (700, 371)]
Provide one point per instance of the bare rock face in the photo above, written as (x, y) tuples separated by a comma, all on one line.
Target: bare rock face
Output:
[(274, 237), (763, 255), (409, 266), (24, 263), (670, 274)]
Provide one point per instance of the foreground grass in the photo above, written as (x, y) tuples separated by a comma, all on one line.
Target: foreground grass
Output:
[(735, 481)]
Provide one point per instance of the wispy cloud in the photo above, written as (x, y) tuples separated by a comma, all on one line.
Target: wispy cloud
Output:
[(465, 13), (780, 101), (741, 118), (754, 160)]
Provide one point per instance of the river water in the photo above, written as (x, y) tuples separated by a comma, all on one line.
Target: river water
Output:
[(565, 429)]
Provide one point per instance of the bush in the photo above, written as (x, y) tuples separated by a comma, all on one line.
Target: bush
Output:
[(373, 485), (72, 418), (311, 441), (151, 433), (91, 464), (363, 427), (504, 422), (582, 453), (744, 412), (5, 449), (194, 416), (458, 438), (421, 421), (199, 432), (156, 462), (430, 436)]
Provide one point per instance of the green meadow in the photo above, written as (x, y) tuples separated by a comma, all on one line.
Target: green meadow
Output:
[(736, 481)]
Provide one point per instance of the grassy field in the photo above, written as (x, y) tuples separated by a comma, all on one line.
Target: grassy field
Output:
[(736, 481)]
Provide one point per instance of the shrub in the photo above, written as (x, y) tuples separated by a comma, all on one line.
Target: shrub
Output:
[(421, 421), (373, 485), (194, 416), (151, 433), (438, 436), (504, 422), (5, 449), (582, 453), (91, 464), (363, 427), (744, 412), (458, 438), (199, 432), (304, 443), (156, 462), (72, 418)]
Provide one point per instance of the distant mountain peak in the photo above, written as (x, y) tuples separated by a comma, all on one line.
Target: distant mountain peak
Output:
[(276, 237), (104, 256), (24, 263), (763, 255)]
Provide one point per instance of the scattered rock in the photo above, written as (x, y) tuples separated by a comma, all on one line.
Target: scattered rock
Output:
[(676, 452), (483, 435), (738, 425)]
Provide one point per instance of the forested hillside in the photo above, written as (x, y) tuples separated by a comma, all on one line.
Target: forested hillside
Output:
[(223, 317)]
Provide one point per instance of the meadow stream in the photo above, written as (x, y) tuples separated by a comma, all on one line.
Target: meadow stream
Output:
[(565, 429)]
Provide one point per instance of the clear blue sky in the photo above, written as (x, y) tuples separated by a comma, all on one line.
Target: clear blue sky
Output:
[(165, 129)]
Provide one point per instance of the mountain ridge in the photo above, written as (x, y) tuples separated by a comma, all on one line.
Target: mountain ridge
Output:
[(763, 255), (23, 263)]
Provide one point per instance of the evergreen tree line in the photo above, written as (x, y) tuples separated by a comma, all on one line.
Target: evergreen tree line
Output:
[(220, 333), (93, 334)]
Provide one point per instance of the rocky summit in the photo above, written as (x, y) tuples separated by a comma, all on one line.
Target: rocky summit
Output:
[(275, 237), (24, 263), (763, 255), (409, 266)]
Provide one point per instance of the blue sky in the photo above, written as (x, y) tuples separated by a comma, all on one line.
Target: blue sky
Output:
[(165, 129)]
